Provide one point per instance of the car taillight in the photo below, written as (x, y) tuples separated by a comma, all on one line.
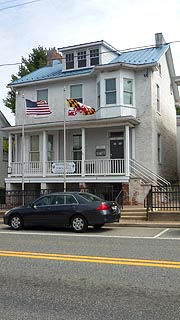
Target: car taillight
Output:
[(102, 206)]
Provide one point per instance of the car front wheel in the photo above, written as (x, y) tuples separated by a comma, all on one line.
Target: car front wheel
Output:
[(79, 224), (16, 222)]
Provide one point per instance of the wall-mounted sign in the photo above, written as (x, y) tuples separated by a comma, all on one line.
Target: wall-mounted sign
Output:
[(100, 151), (58, 167)]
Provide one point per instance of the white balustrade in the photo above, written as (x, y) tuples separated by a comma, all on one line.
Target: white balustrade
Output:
[(92, 167)]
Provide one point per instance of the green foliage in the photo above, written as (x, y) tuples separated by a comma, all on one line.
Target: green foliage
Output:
[(178, 111), (37, 59), (5, 145)]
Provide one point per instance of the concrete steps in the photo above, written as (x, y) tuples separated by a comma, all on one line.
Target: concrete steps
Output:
[(133, 213)]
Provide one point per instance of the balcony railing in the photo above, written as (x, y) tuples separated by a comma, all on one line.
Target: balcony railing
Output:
[(78, 167)]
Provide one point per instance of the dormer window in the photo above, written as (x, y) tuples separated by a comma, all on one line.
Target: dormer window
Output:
[(70, 60), (94, 57), (81, 59)]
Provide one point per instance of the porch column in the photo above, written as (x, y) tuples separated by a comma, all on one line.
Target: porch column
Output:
[(133, 143), (16, 148), (57, 146), (10, 155), (44, 153), (127, 150), (83, 152)]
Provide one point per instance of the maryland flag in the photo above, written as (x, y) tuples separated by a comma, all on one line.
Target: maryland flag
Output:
[(78, 107)]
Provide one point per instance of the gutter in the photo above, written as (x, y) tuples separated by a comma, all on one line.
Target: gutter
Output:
[(75, 124)]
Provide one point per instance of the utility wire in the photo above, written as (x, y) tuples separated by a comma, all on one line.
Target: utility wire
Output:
[(19, 5), (108, 51), (5, 2)]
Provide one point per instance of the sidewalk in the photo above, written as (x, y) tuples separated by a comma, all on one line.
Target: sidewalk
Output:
[(148, 224)]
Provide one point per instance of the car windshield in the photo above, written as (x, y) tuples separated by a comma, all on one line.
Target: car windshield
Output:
[(90, 197)]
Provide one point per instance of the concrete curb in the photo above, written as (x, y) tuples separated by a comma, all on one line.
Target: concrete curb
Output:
[(144, 224)]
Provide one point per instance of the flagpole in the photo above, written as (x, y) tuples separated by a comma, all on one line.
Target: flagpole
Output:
[(64, 139)]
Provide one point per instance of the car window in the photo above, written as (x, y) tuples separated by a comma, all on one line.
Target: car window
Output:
[(44, 201), (69, 199), (90, 197), (59, 199), (64, 199)]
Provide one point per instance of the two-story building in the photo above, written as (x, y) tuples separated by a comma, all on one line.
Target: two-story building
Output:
[(133, 129), (4, 123)]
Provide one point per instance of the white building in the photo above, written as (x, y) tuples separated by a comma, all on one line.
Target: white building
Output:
[(4, 150), (133, 129)]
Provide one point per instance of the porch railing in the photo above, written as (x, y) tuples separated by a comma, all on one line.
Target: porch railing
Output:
[(87, 167)]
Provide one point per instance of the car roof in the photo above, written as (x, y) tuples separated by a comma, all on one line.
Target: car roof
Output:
[(64, 193)]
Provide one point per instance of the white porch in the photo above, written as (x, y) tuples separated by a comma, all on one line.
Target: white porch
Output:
[(98, 167), (93, 167)]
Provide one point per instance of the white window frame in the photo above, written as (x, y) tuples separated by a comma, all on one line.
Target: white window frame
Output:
[(98, 94), (158, 105), (94, 56), (129, 92), (34, 152), (159, 148), (42, 94), (72, 96), (81, 57), (50, 147), (70, 60), (110, 92)]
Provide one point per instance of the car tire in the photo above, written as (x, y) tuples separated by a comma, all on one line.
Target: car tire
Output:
[(16, 222), (79, 224), (98, 226)]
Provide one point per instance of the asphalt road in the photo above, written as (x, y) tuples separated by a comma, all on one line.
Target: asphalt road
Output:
[(116, 273)]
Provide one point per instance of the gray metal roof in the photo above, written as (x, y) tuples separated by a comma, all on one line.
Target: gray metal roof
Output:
[(50, 72), (142, 56), (150, 55)]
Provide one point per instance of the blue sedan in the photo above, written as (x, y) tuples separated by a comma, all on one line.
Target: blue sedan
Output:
[(77, 210)]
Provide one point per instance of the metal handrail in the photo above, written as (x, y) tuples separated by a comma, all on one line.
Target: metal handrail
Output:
[(119, 199), (147, 175)]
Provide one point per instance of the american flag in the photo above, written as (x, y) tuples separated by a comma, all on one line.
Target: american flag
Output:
[(37, 107)]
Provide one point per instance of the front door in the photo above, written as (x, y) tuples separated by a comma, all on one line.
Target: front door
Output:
[(117, 149), (117, 153)]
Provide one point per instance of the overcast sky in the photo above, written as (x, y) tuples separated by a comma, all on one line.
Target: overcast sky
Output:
[(56, 23)]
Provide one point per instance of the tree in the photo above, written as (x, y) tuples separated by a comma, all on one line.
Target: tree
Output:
[(37, 59)]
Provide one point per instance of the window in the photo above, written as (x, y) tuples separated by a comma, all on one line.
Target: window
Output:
[(159, 147), (42, 95), (50, 148), (34, 148), (77, 147), (70, 60), (160, 71), (118, 134), (76, 92), (64, 199), (5, 149), (158, 98), (110, 88), (44, 201), (98, 95), (94, 57), (81, 59), (128, 91)]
